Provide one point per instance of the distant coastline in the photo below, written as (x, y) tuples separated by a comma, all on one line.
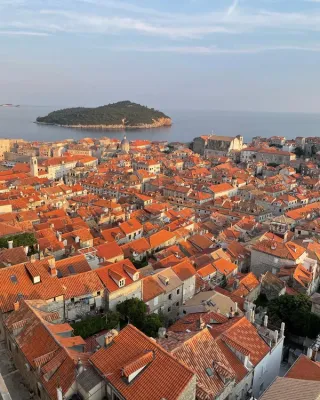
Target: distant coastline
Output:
[(9, 105), (159, 123)]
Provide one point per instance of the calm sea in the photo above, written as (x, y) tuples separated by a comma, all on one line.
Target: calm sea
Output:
[(19, 123)]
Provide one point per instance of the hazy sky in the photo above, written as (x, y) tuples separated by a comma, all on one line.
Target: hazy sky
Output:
[(259, 55)]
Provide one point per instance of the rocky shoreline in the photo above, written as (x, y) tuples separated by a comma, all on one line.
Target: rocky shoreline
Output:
[(158, 123)]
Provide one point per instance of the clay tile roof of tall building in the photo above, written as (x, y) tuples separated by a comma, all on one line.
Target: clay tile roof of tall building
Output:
[(163, 377), (159, 238), (72, 265), (49, 355), (292, 389), (288, 250), (225, 267), (247, 283), (244, 337), (221, 187), (305, 369), (16, 283), (130, 226), (185, 270), (208, 269), (109, 274), (13, 256), (6, 229), (81, 284), (199, 353), (151, 288), (109, 250), (190, 322)]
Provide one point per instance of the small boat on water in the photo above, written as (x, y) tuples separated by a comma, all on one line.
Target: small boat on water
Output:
[(9, 105)]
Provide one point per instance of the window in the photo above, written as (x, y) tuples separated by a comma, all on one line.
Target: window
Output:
[(177, 304), (178, 291), (169, 309), (170, 296), (98, 293), (72, 299)]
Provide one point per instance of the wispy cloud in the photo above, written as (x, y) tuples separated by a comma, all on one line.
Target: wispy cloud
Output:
[(23, 33), (233, 7), (209, 50), (76, 22)]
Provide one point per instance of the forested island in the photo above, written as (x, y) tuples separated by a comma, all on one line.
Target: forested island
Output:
[(121, 115)]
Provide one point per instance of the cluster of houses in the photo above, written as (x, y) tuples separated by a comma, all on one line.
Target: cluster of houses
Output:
[(197, 234)]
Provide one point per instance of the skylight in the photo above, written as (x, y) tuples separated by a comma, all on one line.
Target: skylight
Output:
[(209, 371), (13, 279)]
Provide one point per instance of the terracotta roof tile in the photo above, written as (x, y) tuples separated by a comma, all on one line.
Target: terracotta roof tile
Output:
[(163, 378)]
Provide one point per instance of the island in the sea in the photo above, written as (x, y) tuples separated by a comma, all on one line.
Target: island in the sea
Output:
[(121, 115)]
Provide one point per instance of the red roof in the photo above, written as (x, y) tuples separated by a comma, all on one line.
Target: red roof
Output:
[(162, 377)]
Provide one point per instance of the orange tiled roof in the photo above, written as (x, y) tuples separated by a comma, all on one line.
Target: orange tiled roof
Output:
[(81, 284), (225, 267), (72, 265), (159, 238), (16, 283), (244, 337), (305, 369), (109, 274), (185, 270), (158, 380), (151, 288)]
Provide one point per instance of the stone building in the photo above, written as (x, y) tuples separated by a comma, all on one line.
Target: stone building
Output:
[(214, 145)]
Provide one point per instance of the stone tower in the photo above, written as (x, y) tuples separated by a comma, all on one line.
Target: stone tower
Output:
[(125, 145), (34, 166)]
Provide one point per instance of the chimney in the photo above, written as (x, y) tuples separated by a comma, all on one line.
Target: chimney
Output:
[(16, 306), (52, 267), (276, 336), (273, 245), (80, 367), (253, 316), (202, 324), (162, 332), (265, 321), (59, 393), (108, 338), (10, 244), (235, 307), (309, 353), (245, 362), (26, 250), (283, 325)]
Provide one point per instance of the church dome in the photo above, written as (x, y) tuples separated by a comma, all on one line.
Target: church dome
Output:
[(125, 145)]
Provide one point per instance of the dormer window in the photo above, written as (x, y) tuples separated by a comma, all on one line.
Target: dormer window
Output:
[(122, 282)]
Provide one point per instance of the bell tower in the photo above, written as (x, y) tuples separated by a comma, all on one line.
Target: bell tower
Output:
[(34, 166)]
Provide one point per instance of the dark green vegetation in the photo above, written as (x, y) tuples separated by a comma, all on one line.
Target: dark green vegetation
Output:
[(135, 311), (298, 151), (25, 239), (295, 312), (121, 113), (92, 325)]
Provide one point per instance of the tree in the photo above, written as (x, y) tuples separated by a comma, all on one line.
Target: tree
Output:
[(298, 151), (295, 311), (134, 311), (95, 324), (151, 325), (24, 239)]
